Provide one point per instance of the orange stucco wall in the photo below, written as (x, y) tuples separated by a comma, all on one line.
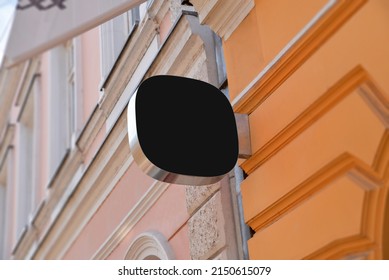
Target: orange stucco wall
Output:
[(313, 78), (262, 35)]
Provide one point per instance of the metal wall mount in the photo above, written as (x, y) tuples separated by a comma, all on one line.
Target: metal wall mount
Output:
[(243, 127)]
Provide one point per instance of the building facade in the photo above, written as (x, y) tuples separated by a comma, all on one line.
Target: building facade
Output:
[(313, 78), (69, 186), (310, 75)]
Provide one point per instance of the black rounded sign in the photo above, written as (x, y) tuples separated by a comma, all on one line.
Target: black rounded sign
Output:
[(185, 127)]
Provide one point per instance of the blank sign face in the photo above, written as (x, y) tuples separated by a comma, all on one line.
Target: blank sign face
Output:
[(185, 130)]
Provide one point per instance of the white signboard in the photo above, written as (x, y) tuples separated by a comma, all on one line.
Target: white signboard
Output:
[(41, 24)]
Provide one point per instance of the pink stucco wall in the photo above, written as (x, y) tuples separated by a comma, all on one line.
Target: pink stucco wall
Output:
[(170, 221), (119, 203), (91, 74)]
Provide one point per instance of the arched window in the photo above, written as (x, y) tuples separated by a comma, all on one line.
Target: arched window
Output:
[(150, 246)]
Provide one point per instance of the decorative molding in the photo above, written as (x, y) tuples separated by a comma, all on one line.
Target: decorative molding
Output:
[(178, 50), (369, 177), (23, 81), (91, 129), (61, 195), (381, 160), (133, 217), (21, 241), (44, 220), (5, 142), (79, 191), (321, 106), (9, 84), (25, 242), (345, 164), (353, 247), (376, 202), (223, 16), (75, 195), (373, 178), (150, 244), (157, 9), (118, 78), (30, 72), (80, 203), (182, 39), (127, 63), (296, 52), (377, 101)]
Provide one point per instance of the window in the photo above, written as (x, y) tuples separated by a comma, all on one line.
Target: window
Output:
[(59, 131), (27, 155), (132, 19), (64, 103), (73, 98), (114, 35)]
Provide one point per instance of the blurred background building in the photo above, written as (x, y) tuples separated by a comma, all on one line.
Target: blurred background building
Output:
[(311, 75)]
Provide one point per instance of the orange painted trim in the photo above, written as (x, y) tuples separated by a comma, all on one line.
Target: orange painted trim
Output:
[(297, 55), (353, 247), (333, 96), (344, 164)]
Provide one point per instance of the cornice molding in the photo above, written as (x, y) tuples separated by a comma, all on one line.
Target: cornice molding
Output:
[(78, 190), (344, 165), (73, 209), (127, 63), (222, 16), (188, 47), (371, 177), (356, 247), (298, 50), (10, 83), (345, 86)]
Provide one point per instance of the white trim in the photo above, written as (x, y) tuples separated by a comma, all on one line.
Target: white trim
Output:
[(93, 209), (136, 78), (22, 82), (36, 137), (149, 244), (154, 192), (68, 192), (86, 197), (79, 93), (284, 51)]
